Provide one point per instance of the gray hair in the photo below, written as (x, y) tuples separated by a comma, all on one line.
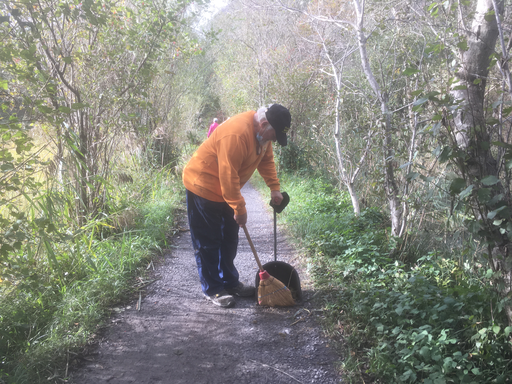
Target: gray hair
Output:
[(261, 113)]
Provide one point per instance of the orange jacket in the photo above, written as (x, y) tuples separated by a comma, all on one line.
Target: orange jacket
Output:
[(226, 161)]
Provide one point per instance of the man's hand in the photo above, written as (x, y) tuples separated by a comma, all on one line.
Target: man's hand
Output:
[(241, 219), (276, 197)]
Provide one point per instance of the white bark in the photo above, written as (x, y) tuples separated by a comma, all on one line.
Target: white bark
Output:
[(390, 182), (347, 176)]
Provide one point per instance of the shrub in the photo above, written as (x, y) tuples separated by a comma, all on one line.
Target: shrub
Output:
[(431, 319)]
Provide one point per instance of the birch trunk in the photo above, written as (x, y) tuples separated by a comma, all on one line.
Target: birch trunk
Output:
[(391, 187), (472, 135)]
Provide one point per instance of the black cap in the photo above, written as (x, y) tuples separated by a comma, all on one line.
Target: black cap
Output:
[(279, 118)]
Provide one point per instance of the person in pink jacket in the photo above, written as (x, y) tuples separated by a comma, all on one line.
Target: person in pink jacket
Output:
[(213, 178), (214, 125)]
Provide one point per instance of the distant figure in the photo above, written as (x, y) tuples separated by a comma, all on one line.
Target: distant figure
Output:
[(213, 126)]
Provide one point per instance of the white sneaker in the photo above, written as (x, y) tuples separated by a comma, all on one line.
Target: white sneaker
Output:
[(222, 299)]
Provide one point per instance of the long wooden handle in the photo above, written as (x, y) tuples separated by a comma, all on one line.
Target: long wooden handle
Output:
[(252, 247)]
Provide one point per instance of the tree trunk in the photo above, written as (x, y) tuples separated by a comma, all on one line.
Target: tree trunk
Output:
[(354, 198), (392, 191), (473, 138), (83, 204), (345, 176)]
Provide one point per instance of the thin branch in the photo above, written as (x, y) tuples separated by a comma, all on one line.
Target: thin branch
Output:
[(278, 370), (503, 65)]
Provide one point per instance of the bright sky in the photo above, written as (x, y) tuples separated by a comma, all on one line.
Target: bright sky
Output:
[(214, 7)]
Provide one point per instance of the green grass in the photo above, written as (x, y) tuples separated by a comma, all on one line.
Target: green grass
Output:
[(64, 292), (426, 319)]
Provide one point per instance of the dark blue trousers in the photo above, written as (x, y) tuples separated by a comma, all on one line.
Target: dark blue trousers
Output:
[(214, 234)]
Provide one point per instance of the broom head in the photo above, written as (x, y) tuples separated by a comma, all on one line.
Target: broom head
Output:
[(273, 293)]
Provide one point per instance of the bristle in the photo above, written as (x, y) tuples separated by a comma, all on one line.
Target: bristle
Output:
[(273, 293)]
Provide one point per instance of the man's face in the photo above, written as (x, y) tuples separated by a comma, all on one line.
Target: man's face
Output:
[(268, 133)]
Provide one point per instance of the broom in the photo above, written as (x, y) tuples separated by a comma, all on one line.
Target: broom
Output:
[(271, 292)]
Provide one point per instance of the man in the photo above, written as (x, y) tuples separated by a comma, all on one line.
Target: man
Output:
[(214, 125), (216, 209)]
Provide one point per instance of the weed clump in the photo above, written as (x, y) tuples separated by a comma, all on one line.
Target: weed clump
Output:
[(430, 318)]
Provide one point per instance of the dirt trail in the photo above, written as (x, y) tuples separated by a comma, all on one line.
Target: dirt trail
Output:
[(179, 337)]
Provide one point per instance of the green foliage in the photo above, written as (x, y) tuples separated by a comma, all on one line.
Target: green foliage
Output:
[(18, 167), (161, 152), (433, 320), (425, 328), (57, 291), (87, 93), (166, 194), (81, 95), (292, 158), (42, 320), (328, 229), (78, 78)]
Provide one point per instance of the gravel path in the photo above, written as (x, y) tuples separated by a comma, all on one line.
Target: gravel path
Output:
[(179, 337)]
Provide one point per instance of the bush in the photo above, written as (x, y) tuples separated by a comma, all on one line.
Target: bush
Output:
[(292, 158), (64, 290), (431, 320)]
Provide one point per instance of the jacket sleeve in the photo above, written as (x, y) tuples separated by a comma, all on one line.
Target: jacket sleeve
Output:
[(230, 153), (267, 170)]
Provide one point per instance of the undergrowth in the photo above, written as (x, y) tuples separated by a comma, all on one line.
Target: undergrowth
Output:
[(55, 297), (431, 319)]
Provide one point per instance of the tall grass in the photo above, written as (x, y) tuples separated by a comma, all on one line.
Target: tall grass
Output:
[(425, 317), (67, 279)]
